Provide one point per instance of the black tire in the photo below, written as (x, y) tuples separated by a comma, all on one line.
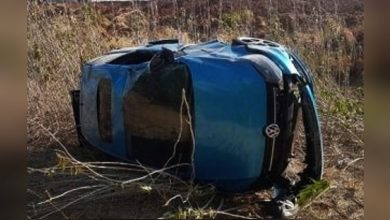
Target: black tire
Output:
[(314, 147)]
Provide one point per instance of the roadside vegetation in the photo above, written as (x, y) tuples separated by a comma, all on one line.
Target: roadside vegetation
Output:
[(66, 180)]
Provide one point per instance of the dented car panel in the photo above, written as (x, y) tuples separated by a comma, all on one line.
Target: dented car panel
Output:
[(121, 78)]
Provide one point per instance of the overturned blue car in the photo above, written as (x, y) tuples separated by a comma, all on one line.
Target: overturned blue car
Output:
[(226, 111)]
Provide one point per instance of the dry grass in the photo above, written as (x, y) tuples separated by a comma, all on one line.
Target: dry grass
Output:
[(61, 37)]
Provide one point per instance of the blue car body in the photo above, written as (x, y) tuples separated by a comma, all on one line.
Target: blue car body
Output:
[(230, 86)]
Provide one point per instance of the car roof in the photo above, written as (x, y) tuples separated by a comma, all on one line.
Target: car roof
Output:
[(214, 49)]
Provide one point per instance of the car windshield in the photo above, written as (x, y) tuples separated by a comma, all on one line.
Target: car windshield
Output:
[(155, 118)]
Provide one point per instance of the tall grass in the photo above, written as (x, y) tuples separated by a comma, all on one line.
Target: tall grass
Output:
[(58, 43), (61, 37)]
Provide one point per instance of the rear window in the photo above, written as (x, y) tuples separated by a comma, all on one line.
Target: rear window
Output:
[(152, 116), (104, 110)]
